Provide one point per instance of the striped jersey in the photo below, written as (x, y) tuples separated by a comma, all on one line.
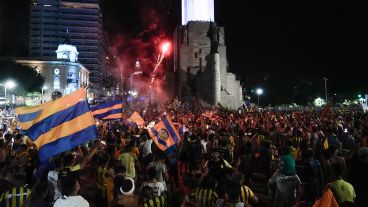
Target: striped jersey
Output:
[(245, 194), (157, 201), (15, 197), (204, 197), (297, 140)]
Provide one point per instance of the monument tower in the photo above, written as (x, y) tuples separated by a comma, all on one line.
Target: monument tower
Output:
[(200, 63)]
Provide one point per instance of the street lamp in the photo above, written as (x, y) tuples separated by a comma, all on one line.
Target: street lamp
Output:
[(8, 84), (326, 89), (42, 92), (259, 91)]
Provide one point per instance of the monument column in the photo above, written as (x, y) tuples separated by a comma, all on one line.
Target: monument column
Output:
[(216, 78)]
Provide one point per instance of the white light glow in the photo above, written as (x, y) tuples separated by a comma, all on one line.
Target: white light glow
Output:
[(319, 102), (259, 91), (134, 93), (197, 10), (165, 47), (10, 84)]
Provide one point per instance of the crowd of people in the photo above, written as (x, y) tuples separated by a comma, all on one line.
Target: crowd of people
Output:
[(219, 162)]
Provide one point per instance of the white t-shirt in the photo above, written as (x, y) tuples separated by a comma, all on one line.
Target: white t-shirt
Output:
[(158, 187), (161, 169), (204, 145), (24, 140), (146, 147), (71, 201), (53, 178)]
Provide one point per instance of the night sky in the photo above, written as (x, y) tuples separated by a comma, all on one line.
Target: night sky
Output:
[(284, 47)]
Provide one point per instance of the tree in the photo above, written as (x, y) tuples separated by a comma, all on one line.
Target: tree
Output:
[(27, 79)]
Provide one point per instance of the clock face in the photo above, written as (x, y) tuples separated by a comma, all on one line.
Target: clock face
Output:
[(56, 71)]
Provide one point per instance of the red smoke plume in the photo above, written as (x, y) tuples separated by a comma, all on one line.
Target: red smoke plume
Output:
[(127, 46)]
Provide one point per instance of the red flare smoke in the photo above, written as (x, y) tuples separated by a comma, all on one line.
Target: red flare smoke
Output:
[(165, 46)]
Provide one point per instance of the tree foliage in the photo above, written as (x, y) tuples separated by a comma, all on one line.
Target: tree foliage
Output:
[(27, 79)]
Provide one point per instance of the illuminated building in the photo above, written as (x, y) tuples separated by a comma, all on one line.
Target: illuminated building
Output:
[(63, 73), (50, 20), (137, 83)]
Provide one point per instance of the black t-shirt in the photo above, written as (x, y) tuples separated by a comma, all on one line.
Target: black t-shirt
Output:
[(195, 150), (217, 168), (4, 186), (245, 166)]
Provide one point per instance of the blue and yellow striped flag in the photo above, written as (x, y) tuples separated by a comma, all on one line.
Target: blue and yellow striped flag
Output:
[(59, 125), (110, 110), (164, 134)]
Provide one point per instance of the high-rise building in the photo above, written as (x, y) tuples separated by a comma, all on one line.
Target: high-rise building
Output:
[(51, 20)]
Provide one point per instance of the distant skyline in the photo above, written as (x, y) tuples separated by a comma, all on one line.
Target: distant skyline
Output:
[(281, 46)]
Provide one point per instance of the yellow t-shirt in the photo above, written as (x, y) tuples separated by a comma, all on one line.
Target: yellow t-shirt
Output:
[(75, 168), (128, 160), (343, 191), (292, 151)]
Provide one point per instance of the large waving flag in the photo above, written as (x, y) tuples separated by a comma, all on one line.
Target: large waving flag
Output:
[(59, 125), (135, 117), (110, 110), (164, 134)]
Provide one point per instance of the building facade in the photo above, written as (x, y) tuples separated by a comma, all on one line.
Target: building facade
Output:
[(63, 73), (51, 20), (200, 60)]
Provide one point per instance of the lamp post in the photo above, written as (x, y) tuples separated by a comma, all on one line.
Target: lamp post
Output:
[(326, 89), (259, 91), (8, 84), (42, 92)]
